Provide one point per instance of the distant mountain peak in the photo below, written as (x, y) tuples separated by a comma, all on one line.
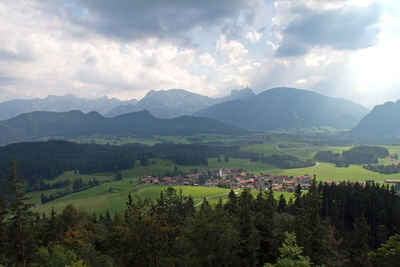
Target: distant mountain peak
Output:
[(241, 93), (382, 122), (285, 108)]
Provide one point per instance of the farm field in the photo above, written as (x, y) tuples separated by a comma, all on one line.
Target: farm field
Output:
[(35, 197), (100, 199), (329, 172)]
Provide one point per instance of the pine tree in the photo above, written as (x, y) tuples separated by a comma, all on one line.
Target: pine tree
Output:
[(231, 204), (3, 212), (356, 243), (20, 214), (310, 231), (388, 254), (281, 204), (291, 254)]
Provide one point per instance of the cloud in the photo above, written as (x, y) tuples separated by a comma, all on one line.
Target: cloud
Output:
[(341, 28), (253, 36), (173, 19)]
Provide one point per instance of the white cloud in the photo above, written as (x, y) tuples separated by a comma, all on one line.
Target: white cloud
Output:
[(43, 51), (253, 36)]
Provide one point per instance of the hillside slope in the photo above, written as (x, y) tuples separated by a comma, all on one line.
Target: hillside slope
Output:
[(31, 126), (382, 121), (285, 109)]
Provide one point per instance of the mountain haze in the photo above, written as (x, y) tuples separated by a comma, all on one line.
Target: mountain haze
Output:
[(176, 102), (32, 126), (12, 108), (285, 109), (382, 121)]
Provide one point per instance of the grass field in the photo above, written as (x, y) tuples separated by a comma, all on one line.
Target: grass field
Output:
[(266, 149), (100, 199), (35, 197), (327, 171)]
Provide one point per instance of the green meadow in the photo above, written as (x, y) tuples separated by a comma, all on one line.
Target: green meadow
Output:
[(113, 196), (329, 172)]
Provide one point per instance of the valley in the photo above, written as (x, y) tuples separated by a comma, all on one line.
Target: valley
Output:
[(100, 199)]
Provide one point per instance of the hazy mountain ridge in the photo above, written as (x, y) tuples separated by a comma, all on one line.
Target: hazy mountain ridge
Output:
[(177, 102), (382, 121), (12, 108), (32, 126), (287, 108)]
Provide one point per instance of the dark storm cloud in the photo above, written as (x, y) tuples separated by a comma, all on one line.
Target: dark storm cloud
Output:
[(342, 29), (136, 19)]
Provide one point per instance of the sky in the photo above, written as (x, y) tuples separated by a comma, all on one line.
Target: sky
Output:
[(125, 48)]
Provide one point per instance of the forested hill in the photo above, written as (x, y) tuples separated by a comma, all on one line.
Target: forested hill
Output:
[(31, 126), (287, 108), (382, 121)]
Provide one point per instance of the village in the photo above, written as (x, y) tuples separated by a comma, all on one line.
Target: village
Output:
[(233, 179)]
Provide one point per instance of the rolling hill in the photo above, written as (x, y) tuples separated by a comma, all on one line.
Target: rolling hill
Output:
[(31, 126), (286, 109)]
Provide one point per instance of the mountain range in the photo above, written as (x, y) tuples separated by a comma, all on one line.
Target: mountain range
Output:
[(382, 122), (285, 109), (12, 108), (34, 125), (277, 109), (177, 102)]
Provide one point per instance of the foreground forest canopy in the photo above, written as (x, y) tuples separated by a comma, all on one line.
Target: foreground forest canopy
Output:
[(335, 225)]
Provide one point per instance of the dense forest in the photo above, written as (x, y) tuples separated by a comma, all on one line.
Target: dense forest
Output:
[(282, 161), (385, 169), (355, 155), (335, 225)]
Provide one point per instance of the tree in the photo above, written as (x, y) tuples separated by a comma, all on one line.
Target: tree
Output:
[(53, 256), (214, 240), (356, 243), (3, 213), (144, 160), (281, 204), (310, 231), (291, 254), (388, 254), (231, 204), (20, 214)]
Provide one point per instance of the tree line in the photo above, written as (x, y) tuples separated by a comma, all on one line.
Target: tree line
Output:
[(284, 161), (335, 225), (355, 155)]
